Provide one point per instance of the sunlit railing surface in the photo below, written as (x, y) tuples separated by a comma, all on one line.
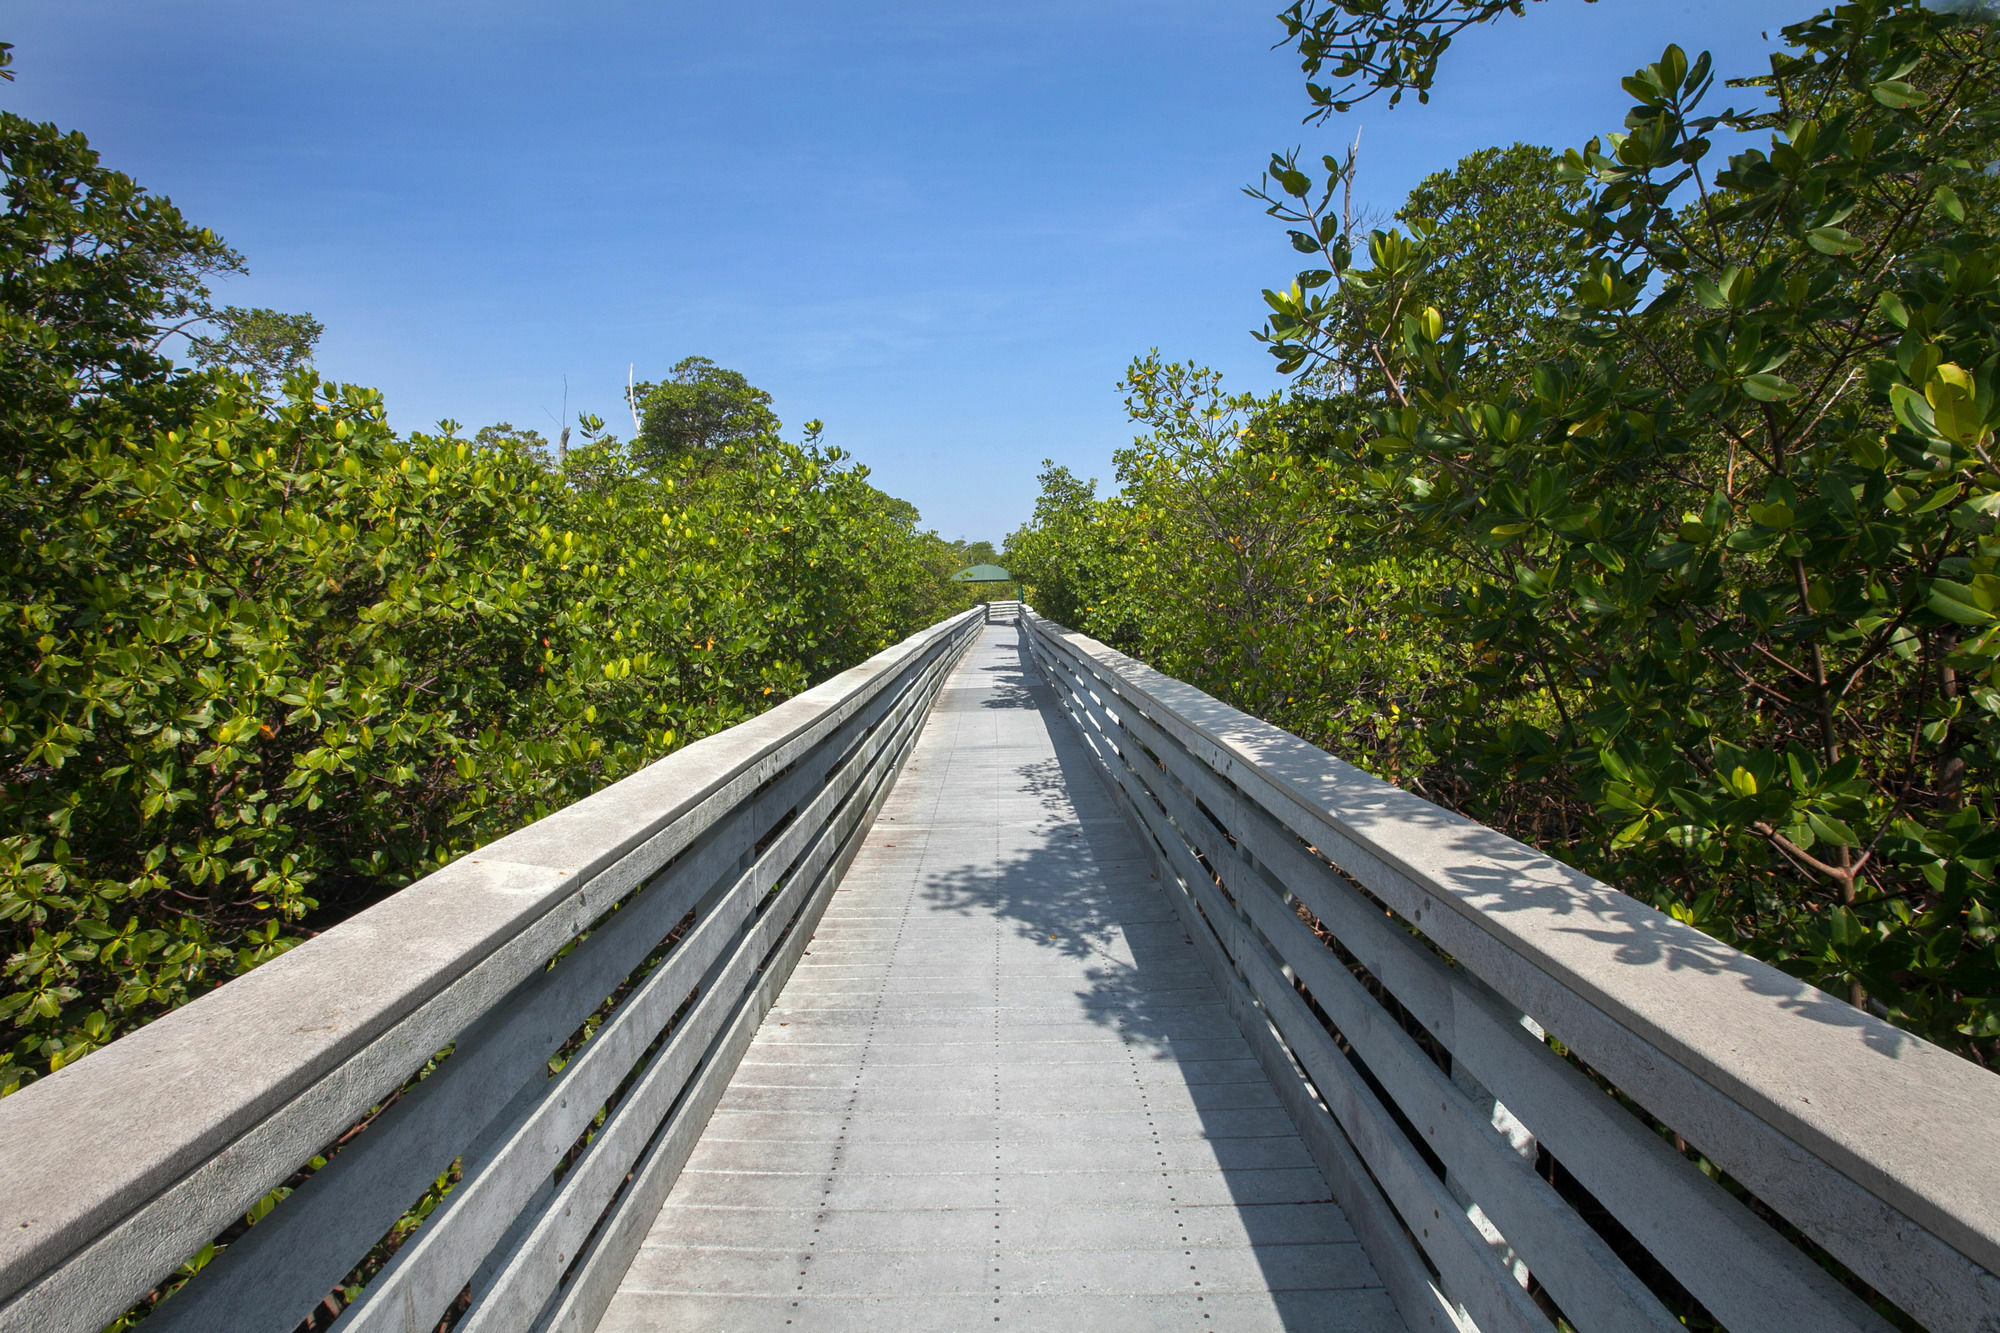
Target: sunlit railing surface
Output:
[(1522, 1083), (550, 1019)]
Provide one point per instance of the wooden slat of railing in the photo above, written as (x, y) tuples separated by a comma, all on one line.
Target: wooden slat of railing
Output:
[(1740, 1269), (1589, 1282), (275, 1273), (428, 1273), (801, 856), (1727, 1259)]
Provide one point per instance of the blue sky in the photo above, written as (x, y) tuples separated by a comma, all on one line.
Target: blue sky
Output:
[(944, 231)]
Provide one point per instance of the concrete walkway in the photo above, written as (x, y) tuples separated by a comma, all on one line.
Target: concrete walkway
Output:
[(1000, 1090)]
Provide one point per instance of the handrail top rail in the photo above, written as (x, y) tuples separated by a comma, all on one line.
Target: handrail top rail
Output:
[(1841, 1083), (149, 1107)]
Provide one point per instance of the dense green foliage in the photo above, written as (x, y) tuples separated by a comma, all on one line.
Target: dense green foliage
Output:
[(1693, 579), (1060, 550), (1229, 558), (1490, 246), (263, 660)]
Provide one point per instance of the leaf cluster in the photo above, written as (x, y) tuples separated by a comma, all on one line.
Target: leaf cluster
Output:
[(1365, 47), (698, 409)]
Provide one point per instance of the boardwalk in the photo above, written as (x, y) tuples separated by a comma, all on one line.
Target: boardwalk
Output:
[(1000, 1090), (998, 1086)]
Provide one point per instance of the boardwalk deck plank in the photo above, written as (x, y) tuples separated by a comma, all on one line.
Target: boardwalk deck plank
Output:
[(1000, 1090)]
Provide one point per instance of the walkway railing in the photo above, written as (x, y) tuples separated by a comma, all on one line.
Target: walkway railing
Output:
[(658, 918), (1428, 995)]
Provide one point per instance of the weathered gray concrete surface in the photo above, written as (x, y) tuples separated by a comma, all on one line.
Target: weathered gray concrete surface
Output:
[(1000, 1090)]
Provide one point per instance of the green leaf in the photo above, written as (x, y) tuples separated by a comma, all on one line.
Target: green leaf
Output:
[(1911, 409), (1960, 603), (1750, 540), (1673, 68), (1953, 398), (1831, 830), (1632, 832), (1896, 94), (1777, 515), (1768, 389), (1832, 241)]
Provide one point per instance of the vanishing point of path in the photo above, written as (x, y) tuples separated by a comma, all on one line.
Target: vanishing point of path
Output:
[(1000, 1090)]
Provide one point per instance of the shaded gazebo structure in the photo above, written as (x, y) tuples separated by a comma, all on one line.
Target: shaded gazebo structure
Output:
[(982, 574), (989, 574)]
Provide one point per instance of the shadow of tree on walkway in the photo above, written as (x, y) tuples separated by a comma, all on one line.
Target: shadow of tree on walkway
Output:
[(1075, 880)]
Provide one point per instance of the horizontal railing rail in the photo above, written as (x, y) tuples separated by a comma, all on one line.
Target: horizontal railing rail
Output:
[(1448, 1012), (629, 943)]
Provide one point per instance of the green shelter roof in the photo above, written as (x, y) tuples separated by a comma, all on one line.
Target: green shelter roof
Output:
[(982, 574)]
